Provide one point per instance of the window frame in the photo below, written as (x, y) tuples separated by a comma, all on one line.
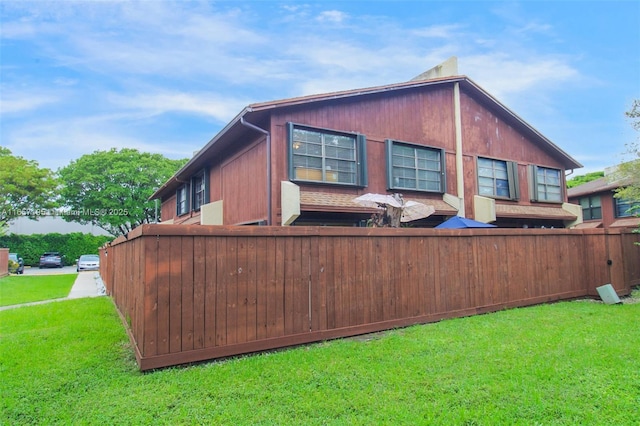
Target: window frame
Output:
[(513, 181), (204, 175), (360, 161), (535, 194), (184, 189), (391, 143), (590, 200)]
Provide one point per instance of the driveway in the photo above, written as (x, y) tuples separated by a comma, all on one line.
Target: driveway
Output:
[(49, 271)]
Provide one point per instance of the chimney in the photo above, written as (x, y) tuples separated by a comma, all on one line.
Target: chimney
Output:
[(448, 68)]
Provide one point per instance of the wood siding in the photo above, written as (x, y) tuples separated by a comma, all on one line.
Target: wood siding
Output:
[(192, 293), (243, 183), (4, 262)]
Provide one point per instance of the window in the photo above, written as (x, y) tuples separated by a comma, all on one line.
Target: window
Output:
[(199, 188), (414, 167), (591, 208), (626, 208), (326, 156), (547, 185), (182, 200), (497, 178)]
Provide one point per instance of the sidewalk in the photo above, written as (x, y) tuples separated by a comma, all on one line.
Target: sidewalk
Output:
[(87, 284)]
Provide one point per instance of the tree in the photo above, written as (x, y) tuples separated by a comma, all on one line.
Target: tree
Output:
[(111, 189), (25, 188), (628, 173), (579, 180)]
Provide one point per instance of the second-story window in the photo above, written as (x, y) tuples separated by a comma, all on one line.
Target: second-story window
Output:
[(591, 208), (182, 200), (414, 167), (199, 191), (498, 178), (626, 208), (547, 184), (326, 156)]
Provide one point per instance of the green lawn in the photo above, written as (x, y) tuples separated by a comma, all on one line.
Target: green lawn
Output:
[(16, 289), (566, 363)]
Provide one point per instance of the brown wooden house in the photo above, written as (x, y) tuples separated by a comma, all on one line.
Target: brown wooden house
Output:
[(439, 140), (600, 209)]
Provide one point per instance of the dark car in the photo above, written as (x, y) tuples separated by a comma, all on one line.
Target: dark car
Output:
[(16, 264), (51, 259)]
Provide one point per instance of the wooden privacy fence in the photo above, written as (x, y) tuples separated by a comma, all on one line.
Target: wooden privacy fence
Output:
[(4, 262), (192, 293)]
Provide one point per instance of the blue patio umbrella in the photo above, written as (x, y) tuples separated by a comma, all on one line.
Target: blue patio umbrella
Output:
[(457, 222)]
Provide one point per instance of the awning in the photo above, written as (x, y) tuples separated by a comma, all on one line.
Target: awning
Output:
[(333, 202), (627, 222), (533, 212), (589, 225)]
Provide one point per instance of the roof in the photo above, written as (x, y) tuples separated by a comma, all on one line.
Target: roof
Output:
[(328, 201), (599, 185), (533, 212), (245, 121)]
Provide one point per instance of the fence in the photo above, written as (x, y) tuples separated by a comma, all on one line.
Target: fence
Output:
[(192, 293), (4, 262)]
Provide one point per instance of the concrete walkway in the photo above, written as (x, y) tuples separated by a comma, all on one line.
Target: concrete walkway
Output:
[(87, 284)]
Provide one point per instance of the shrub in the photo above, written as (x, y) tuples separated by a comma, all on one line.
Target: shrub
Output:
[(31, 247)]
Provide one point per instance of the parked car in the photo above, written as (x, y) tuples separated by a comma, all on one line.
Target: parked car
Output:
[(51, 259), (16, 264), (88, 262)]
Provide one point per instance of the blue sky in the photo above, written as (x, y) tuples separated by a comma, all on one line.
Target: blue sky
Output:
[(166, 76)]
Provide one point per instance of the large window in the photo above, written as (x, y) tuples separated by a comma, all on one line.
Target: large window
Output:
[(547, 184), (626, 208), (591, 208), (414, 167), (326, 156), (182, 200), (497, 178)]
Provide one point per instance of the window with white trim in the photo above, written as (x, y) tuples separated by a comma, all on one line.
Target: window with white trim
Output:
[(326, 156), (415, 167), (498, 178)]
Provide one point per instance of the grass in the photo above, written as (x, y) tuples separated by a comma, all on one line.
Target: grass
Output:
[(16, 289), (567, 363)]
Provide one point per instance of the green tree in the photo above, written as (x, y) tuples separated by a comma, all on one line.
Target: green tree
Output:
[(111, 189), (579, 180), (628, 173), (25, 188)]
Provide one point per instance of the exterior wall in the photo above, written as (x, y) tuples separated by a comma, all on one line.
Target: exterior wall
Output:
[(607, 204), (242, 184), (423, 116)]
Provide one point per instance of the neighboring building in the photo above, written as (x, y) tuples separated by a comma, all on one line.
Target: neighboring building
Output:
[(51, 224), (440, 140), (600, 209)]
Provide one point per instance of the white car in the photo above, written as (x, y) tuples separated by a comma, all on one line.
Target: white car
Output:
[(88, 262)]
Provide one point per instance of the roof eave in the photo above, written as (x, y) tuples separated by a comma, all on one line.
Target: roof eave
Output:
[(186, 169)]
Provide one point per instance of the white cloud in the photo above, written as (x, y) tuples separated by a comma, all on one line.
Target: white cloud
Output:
[(439, 31), (334, 16), (208, 104), (12, 102)]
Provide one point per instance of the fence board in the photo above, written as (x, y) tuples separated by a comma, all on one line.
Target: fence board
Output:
[(193, 293)]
